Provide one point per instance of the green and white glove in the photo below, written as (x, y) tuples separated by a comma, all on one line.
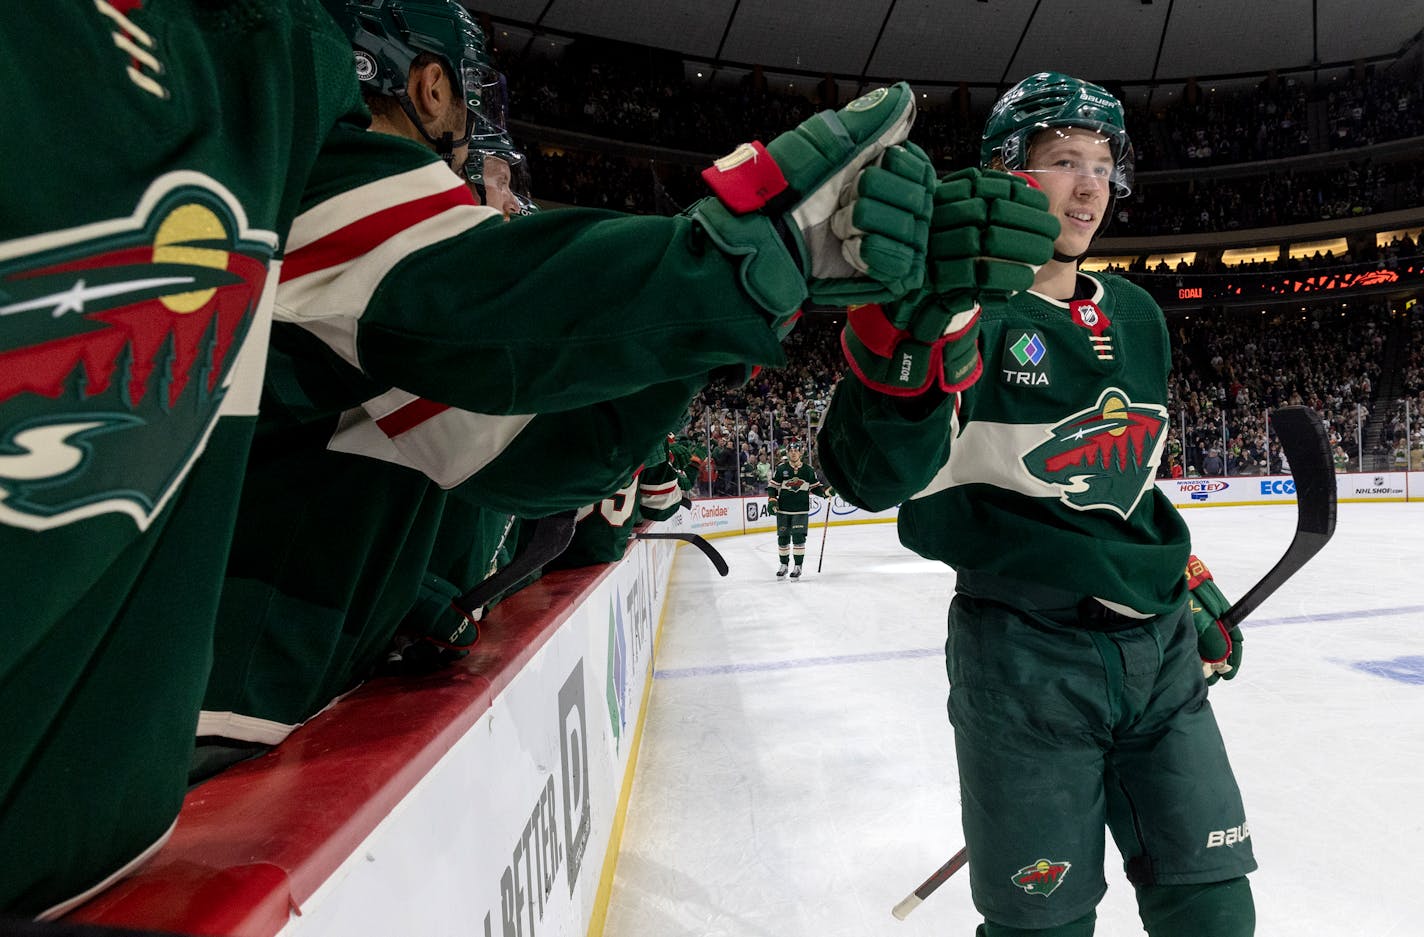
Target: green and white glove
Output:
[(771, 506), (990, 233), (907, 348), (833, 210), (1220, 647)]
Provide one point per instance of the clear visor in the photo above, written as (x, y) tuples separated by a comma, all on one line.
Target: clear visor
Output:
[(1090, 155), (502, 180), (485, 96)]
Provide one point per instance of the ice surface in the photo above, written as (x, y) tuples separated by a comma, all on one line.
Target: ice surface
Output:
[(797, 769)]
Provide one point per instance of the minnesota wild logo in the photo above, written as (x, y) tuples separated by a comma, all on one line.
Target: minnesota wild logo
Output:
[(1104, 457), (1042, 877), (121, 341)]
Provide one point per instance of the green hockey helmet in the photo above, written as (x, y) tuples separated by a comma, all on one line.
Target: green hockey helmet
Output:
[(1053, 99), (388, 35), (500, 175)]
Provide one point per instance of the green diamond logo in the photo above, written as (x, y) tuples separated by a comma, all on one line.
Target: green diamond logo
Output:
[(1028, 349)]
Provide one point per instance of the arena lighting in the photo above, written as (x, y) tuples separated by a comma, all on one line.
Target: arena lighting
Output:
[(1322, 283)]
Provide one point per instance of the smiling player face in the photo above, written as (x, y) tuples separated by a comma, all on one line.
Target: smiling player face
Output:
[(1074, 167)]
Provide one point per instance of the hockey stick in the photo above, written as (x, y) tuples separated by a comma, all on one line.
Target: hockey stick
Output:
[(927, 887), (1302, 436), (824, 527), (697, 541), (550, 538)]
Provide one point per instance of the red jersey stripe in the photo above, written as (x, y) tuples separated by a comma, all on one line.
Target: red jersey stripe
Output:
[(359, 237), (410, 416)]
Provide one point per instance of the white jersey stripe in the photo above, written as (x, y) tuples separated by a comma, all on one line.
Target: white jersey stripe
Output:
[(329, 302), (363, 201)]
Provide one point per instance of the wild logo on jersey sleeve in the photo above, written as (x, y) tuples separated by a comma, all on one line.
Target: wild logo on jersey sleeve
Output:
[(1104, 457), (120, 340)]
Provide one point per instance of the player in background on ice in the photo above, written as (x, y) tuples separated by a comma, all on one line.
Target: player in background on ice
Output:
[(789, 499), (136, 331), (1018, 412)]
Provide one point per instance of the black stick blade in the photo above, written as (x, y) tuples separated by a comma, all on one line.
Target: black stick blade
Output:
[(1302, 435), (697, 541)]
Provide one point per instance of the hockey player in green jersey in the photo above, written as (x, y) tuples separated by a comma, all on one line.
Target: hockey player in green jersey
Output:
[(306, 617), (789, 498), (136, 321), (499, 174), (654, 492), (1017, 413)]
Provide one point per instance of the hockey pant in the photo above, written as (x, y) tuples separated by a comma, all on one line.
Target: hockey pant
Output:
[(791, 536)]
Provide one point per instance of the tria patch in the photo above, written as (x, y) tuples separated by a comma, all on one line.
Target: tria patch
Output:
[(1105, 457), (1025, 360), (1042, 877)]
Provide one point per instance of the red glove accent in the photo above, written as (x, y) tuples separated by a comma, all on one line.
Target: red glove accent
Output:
[(873, 328), (1197, 573), (745, 179)]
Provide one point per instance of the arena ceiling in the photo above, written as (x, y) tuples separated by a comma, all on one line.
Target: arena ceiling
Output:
[(1137, 44)]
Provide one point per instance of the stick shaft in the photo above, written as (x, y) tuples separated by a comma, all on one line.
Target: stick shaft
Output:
[(928, 886)]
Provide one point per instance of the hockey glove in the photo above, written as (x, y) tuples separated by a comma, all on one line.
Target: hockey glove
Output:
[(434, 633), (909, 347), (832, 210), (1219, 646), (771, 506), (990, 233)]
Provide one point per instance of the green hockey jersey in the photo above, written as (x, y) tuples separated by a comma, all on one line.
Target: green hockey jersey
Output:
[(654, 493), (1044, 470), (791, 487), (345, 528), (135, 308)]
